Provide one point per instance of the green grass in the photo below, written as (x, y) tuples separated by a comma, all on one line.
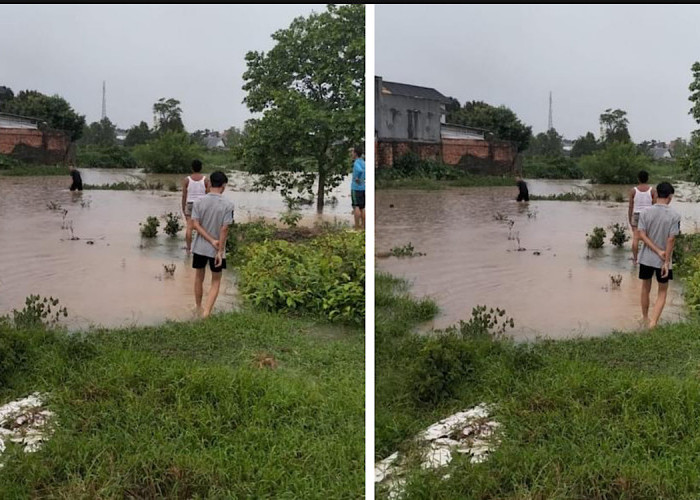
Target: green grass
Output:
[(184, 410), (21, 170), (433, 184), (133, 186), (613, 417)]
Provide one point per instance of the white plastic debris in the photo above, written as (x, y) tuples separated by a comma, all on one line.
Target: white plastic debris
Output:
[(469, 432), (25, 422)]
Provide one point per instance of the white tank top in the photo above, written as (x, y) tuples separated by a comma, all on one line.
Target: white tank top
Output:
[(197, 189), (642, 200)]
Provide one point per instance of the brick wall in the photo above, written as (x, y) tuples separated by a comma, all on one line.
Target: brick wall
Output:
[(37, 146), (389, 151)]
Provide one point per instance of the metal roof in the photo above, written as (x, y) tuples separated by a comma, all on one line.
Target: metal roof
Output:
[(407, 90)]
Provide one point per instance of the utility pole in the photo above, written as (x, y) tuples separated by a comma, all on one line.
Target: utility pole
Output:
[(104, 100)]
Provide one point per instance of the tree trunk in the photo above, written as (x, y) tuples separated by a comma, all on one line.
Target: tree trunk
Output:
[(320, 196)]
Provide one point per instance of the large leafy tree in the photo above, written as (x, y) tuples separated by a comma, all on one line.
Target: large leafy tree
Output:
[(168, 115), (102, 133), (613, 124), (138, 134), (54, 110), (547, 144), (585, 145), (6, 94), (310, 91), (501, 121)]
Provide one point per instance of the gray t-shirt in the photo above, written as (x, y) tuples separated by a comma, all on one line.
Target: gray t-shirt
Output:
[(659, 222), (212, 212)]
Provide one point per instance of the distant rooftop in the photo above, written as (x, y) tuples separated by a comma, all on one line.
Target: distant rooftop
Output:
[(404, 89)]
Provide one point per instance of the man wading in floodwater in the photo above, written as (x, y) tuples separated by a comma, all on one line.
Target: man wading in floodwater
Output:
[(194, 187), (658, 227), (641, 197), (523, 194), (211, 217), (77, 180)]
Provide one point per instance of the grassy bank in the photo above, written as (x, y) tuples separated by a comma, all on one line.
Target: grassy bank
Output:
[(613, 417), (435, 184), (244, 405)]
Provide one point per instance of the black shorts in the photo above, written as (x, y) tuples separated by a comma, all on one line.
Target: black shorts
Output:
[(647, 272), (524, 196), (200, 262), (358, 199)]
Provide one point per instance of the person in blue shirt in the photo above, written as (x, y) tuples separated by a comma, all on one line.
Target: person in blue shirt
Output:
[(358, 187)]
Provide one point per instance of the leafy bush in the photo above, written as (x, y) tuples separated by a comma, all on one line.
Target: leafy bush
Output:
[(619, 163), (105, 157), (411, 165), (14, 352), (323, 277), (691, 282), (685, 248), (290, 218), (597, 238), (7, 162), (149, 229), (172, 224), (619, 235), (171, 153), (551, 167), (443, 363), (242, 235), (38, 312)]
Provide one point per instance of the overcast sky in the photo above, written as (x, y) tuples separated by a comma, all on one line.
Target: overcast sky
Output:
[(636, 58), (192, 53)]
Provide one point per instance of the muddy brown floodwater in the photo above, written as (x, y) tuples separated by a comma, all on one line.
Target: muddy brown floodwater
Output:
[(118, 280), (552, 288)]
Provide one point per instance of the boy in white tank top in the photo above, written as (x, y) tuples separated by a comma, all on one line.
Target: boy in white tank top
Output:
[(641, 197), (194, 187)]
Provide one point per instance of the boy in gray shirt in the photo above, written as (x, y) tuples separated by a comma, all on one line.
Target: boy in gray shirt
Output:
[(658, 227), (211, 217)]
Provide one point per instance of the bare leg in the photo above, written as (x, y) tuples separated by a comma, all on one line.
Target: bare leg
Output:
[(635, 244), (646, 289), (213, 293), (357, 215), (188, 234), (659, 304), (362, 217), (198, 287)]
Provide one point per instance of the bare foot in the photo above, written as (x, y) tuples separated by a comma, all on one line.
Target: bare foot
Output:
[(652, 325)]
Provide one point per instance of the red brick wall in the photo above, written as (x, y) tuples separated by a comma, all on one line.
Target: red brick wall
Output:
[(50, 145), (388, 152)]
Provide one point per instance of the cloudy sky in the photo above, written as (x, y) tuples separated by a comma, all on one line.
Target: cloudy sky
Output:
[(636, 58), (192, 53)]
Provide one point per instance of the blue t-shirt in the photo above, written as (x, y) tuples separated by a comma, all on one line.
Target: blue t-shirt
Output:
[(358, 175)]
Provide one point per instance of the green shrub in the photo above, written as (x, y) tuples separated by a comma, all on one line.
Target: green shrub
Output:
[(291, 218), (691, 281), (244, 234), (149, 229), (105, 157), (685, 248), (597, 238), (619, 234), (441, 366), (14, 352), (551, 167), (7, 162), (619, 163), (171, 153), (38, 312), (172, 224), (411, 165), (323, 277)]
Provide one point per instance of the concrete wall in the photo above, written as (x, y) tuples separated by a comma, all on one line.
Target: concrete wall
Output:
[(393, 112), (35, 146)]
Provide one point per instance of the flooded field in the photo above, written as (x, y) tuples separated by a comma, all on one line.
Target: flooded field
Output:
[(118, 279), (553, 287)]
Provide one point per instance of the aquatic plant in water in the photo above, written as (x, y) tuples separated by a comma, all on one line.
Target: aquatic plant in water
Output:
[(172, 224), (405, 251), (149, 229), (619, 236), (597, 238)]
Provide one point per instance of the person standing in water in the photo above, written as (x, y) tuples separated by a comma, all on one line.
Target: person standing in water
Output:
[(357, 192), (211, 217), (523, 194), (194, 187), (642, 197), (658, 227), (77, 180)]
